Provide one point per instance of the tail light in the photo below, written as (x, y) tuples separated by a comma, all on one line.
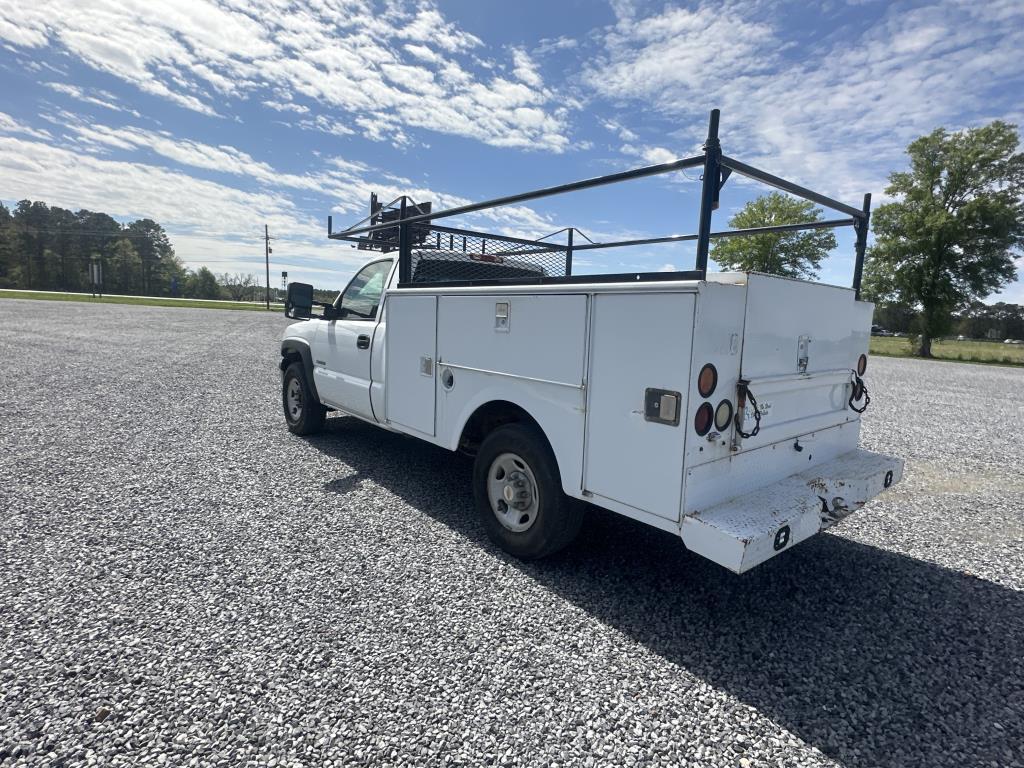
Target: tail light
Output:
[(703, 419), (862, 364), (707, 380)]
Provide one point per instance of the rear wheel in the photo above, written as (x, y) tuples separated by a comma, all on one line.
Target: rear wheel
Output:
[(519, 495), (303, 412)]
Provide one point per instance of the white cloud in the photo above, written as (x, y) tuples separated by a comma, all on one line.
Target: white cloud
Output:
[(209, 223), (74, 179), (835, 113), (525, 69), (650, 154), (286, 106), (387, 67), (213, 221), (550, 45), (424, 53), (9, 125), (99, 98)]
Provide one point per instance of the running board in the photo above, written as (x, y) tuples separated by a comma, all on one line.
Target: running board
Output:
[(744, 532)]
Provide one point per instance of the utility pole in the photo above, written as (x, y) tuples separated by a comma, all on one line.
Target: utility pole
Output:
[(266, 247)]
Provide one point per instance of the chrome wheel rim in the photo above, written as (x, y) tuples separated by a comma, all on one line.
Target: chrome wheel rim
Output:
[(512, 490), (293, 399)]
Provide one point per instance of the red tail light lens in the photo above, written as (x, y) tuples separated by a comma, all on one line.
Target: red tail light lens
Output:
[(703, 419), (862, 364)]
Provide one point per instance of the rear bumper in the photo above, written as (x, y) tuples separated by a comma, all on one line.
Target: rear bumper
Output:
[(749, 529)]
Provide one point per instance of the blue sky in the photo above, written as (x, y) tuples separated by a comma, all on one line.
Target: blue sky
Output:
[(217, 116)]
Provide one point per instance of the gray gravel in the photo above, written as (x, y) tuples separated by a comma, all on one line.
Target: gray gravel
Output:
[(182, 582)]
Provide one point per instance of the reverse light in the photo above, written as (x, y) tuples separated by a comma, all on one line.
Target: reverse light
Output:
[(723, 415)]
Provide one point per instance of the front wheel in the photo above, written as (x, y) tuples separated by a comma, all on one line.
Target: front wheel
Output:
[(519, 496), (302, 411)]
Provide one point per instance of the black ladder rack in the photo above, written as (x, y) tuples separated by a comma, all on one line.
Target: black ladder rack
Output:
[(431, 255)]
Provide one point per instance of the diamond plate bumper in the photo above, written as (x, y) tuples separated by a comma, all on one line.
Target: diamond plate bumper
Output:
[(744, 532)]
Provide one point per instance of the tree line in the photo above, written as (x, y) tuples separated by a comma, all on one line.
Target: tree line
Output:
[(47, 248), (948, 239)]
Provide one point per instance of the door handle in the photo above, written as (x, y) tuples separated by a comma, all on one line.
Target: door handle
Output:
[(363, 341)]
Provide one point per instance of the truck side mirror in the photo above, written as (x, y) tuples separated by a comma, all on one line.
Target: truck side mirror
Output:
[(298, 302)]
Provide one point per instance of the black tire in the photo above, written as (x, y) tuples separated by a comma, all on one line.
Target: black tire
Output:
[(306, 417), (556, 518)]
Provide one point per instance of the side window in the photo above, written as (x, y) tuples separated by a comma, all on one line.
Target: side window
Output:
[(362, 296)]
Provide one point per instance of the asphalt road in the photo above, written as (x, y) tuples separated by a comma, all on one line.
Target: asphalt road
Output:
[(183, 582)]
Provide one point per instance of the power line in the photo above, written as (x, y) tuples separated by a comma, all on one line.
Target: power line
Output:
[(112, 235), (81, 257), (28, 230)]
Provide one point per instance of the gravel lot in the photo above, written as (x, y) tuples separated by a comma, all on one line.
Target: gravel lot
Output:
[(183, 582)]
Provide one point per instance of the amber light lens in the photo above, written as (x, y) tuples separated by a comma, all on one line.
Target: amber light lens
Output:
[(862, 364), (723, 415), (703, 419), (707, 380)]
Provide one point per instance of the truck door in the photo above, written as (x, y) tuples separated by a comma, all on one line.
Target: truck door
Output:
[(341, 360), (409, 383), (639, 351)]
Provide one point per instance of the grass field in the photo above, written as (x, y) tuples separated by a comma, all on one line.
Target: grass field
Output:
[(149, 301), (994, 352)]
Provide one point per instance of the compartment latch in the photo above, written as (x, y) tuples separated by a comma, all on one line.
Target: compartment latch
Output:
[(662, 406), (803, 353)]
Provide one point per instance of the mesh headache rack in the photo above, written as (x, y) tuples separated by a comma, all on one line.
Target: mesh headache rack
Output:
[(433, 255)]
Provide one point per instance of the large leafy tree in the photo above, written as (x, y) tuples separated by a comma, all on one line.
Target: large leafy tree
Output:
[(154, 249), (792, 254), (123, 269), (10, 272), (202, 284), (32, 222), (950, 236)]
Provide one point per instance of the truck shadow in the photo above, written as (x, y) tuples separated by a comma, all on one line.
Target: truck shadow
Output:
[(874, 657)]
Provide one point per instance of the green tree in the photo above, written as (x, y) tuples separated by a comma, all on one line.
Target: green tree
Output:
[(154, 249), (10, 273), (97, 235), (62, 270), (1004, 321), (123, 269), (792, 254), (896, 317), (950, 236), (202, 285), (175, 274), (32, 220)]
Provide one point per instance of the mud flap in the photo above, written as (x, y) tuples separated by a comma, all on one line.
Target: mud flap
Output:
[(744, 532)]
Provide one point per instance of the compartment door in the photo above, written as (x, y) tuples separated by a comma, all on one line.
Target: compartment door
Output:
[(639, 342), (410, 365), (800, 343)]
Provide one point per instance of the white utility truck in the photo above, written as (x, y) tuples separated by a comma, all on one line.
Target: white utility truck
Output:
[(724, 408)]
